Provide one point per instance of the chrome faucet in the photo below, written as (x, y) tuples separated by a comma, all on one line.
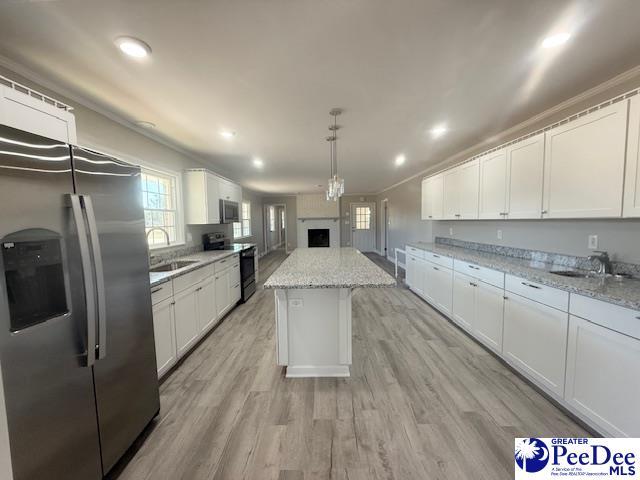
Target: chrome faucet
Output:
[(604, 262), (166, 234)]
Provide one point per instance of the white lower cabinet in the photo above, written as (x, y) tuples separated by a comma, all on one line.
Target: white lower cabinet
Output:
[(478, 308), (223, 299), (186, 315), (490, 315), (207, 315), (602, 377), (535, 341), (464, 300), (438, 286), (416, 274), (164, 335)]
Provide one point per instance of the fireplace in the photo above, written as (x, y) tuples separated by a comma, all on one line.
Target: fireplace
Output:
[(318, 237)]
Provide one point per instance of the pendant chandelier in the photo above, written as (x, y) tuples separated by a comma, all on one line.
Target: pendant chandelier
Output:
[(335, 185)]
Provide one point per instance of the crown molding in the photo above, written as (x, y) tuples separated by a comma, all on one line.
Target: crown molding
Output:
[(540, 117)]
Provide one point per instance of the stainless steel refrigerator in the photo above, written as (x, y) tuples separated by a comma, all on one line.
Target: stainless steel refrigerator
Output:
[(77, 351)]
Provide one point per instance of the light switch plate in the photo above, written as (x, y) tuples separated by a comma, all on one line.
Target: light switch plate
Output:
[(593, 242), (450, 230), (499, 235)]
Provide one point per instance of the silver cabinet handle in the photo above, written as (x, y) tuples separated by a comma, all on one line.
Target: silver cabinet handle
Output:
[(97, 265), (156, 290), (544, 212), (530, 285), (430, 216), (435, 256), (89, 298), (236, 286), (506, 298), (474, 267), (436, 268), (473, 284)]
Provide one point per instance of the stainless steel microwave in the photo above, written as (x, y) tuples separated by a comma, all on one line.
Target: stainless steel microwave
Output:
[(229, 211)]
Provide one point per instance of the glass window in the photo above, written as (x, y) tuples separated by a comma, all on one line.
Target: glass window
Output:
[(282, 222), (243, 227), (159, 200), (272, 219), (363, 218)]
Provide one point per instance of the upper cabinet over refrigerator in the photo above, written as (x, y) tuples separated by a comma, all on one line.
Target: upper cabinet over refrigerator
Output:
[(584, 165)]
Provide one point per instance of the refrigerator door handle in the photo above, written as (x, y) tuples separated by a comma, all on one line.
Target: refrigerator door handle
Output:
[(97, 265), (87, 276)]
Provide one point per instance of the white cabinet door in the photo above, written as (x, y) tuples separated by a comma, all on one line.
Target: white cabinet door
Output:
[(186, 318), (489, 315), (425, 210), (493, 185), (213, 199), (584, 165), (525, 164), (451, 194), (602, 377), (464, 300), (234, 284), (468, 189), (535, 341), (415, 274), (24, 112), (439, 284), (222, 293), (632, 176), (411, 269), (207, 314), (164, 335)]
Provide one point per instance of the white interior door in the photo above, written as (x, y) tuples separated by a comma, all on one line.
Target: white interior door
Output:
[(363, 228)]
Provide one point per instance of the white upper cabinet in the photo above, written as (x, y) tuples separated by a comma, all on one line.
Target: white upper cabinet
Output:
[(525, 165), (493, 185), (460, 191), (632, 176), (584, 165), (432, 198), (203, 192), (31, 114)]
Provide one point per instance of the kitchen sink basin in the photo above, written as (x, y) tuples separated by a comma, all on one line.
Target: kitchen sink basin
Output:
[(571, 273), (170, 267)]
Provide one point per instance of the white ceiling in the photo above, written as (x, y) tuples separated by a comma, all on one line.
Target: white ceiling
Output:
[(272, 69)]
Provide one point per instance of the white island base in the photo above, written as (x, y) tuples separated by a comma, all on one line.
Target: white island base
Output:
[(313, 329)]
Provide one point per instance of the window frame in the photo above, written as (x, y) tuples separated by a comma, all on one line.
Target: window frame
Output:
[(179, 210), (243, 233)]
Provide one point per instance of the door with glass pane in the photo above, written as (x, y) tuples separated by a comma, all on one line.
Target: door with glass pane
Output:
[(363, 229)]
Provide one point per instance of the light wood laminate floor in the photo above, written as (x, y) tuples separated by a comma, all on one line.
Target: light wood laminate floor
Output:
[(424, 402)]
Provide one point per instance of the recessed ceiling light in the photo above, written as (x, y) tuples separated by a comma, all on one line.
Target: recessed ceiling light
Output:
[(400, 159), (133, 47), (556, 40), (228, 134), (258, 163), (439, 130), (145, 124)]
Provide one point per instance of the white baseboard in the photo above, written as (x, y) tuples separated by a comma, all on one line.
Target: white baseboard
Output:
[(301, 371)]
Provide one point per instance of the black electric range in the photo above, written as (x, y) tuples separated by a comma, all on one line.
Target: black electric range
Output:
[(247, 253)]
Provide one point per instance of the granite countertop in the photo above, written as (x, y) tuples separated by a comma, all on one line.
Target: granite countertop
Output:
[(625, 293), (328, 268), (201, 259)]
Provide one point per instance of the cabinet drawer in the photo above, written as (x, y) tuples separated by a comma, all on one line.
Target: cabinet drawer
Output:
[(538, 292), (620, 319), (416, 252), (439, 259), (188, 279), (161, 292), (484, 274), (225, 263)]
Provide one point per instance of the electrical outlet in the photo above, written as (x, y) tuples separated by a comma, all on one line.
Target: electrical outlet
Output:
[(499, 234), (593, 242), (189, 237), (296, 303), (450, 230)]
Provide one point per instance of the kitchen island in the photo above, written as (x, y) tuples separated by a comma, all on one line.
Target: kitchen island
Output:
[(313, 289)]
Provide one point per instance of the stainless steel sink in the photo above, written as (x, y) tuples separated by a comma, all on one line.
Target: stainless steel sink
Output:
[(571, 273), (170, 267)]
